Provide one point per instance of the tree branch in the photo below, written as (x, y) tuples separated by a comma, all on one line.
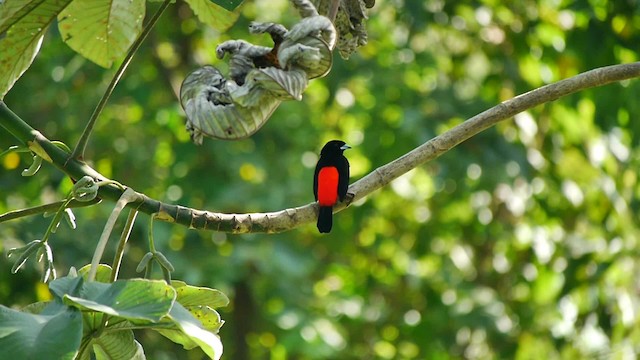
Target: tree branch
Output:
[(287, 219)]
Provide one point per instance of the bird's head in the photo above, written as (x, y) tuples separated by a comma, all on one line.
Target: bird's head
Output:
[(334, 146)]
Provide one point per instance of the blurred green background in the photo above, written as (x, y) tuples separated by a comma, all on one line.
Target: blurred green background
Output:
[(520, 243)]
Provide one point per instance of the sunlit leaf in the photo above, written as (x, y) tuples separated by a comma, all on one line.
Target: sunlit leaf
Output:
[(189, 295), (102, 30), (228, 4), (131, 299), (209, 317), (22, 28), (103, 273), (12, 10), (190, 332), (213, 15)]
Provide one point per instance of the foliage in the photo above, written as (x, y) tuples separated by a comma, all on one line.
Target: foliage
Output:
[(87, 316), (101, 31), (520, 243)]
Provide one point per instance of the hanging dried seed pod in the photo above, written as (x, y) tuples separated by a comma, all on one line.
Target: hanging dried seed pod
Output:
[(260, 77), (309, 46), (211, 111)]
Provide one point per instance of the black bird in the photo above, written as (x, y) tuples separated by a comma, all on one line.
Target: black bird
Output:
[(330, 181)]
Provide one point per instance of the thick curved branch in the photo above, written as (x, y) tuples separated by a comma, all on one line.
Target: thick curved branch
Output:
[(289, 218), (437, 146)]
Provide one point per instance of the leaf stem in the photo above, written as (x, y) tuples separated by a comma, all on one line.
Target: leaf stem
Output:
[(56, 219), (152, 246), (154, 326), (84, 346), (124, 237), (16, 214), (127, 197), (78, 151)]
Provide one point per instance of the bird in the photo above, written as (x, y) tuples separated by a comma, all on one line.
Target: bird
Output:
[(330, 181)]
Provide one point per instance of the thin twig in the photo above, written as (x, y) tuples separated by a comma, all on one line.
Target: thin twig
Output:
[(16, 214), (53, 225), (78, 151)]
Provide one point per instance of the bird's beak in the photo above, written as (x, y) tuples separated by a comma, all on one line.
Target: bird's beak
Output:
[(345, 147)]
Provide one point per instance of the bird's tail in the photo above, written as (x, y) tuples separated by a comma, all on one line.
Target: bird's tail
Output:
[(325, 219)]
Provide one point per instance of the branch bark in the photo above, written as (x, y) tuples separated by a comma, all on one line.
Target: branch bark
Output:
[(278, 221)]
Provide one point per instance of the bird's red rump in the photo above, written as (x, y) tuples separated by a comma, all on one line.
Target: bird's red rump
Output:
[(328, 186)]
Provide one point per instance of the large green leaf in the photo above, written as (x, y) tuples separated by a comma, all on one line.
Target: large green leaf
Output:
[(189, 332), (131, 299), (213, 15), (102, 30), (12, 10), (116, 344), (201, 302), (188, 295), (27, 336), (228, 4), (22, 27)]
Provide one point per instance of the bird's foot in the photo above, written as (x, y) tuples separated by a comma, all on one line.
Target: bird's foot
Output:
[(348, 198)]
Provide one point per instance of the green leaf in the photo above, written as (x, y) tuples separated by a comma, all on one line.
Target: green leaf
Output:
[(35, 308), (11, 11), (213, 15), (102, 30), (103, 274), (190, 333), (188, 295), (201, 302), (23, 253), (131, 299), (66, 285), (209, 317), (117, 344), (22, 28), (29, 336), (228, 4)]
